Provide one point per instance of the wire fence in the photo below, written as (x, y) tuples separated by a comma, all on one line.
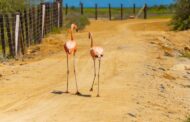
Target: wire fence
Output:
[(123, 11), (20, 30)]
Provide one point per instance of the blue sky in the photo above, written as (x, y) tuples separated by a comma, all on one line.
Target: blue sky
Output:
[(116, 3)]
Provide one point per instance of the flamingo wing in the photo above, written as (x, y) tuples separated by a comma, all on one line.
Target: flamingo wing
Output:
[(70, 46), (97, 51)]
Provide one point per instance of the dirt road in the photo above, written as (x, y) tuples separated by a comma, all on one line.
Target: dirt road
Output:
[(138, 82)]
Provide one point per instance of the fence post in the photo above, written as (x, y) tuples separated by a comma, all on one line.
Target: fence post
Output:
[(134, 9), (22, 25), (39, 23), (30, 26), (17, 24), (81, 9), (43, 18), (21, 34), (61, 13), (11, 42), (121, 11), (3, 44), (47, 30), (58, 8), (12, 35), (109, 11), (66, 9), (26, 27), (34, 23), (50, 12), (96, 11), (145, 11)]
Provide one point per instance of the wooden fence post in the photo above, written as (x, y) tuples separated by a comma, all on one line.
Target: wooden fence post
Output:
[(54, 14), (13, 32), (96, 11), (3, 44), (59, 12), (47, 30), (21, 33), (81, 9), (66, 9), (26, 27), (39, 23), (11, 43), (17, 24), (34, 24), (134, 9), (121, 11), (43, 18), (145, 11), (30, 26), (109, 11), (22, 25), (51, 16)]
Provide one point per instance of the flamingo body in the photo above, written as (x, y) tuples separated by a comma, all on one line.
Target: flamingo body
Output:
[(70, 47), (96, 52)]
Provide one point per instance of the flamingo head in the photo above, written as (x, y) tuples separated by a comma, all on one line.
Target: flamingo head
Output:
[(89, 35), (74, 27)]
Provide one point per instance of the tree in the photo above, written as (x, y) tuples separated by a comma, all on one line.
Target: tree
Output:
[(181, 20)]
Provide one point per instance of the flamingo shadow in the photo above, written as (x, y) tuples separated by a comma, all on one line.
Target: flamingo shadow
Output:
[(83, 95), (58, 92)]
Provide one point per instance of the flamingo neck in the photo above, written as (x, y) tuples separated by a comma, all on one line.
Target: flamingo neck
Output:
[(92, 41), (72, 38)]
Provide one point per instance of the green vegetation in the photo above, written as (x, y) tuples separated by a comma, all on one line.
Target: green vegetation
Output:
[(188, 120), (181, 20), (186, 54), (76, 18), (56, 30), (12, 5), (161, 11)]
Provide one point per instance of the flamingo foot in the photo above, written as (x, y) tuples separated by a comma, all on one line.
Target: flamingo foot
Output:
[(91, 89), (98, 95), (77, 93)]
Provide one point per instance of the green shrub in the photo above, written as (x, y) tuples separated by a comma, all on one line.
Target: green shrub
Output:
[(186, 54), (12, 5), (76, 18), (181, 20), (56, 30), (188, 120)]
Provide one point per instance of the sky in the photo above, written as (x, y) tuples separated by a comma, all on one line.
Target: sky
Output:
[(116, 3)]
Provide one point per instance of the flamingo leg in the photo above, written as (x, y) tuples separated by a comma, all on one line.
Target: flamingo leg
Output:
[(99, 77), (67, 74), (77, 93), (94, 60)]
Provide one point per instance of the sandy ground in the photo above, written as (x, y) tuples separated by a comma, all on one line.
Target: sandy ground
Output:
[(143, 78)]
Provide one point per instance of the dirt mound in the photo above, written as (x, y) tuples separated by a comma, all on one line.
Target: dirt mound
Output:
[(50, 45)]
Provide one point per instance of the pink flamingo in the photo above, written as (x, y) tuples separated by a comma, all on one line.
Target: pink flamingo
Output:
[(70, 49), (96, 53)]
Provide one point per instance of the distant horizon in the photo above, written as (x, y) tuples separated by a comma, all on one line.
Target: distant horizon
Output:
[(114, 3)]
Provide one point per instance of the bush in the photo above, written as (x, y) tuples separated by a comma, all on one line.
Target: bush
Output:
[(188, 120), (12, 5), (56, 30), (76, 18), (181, 20)]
